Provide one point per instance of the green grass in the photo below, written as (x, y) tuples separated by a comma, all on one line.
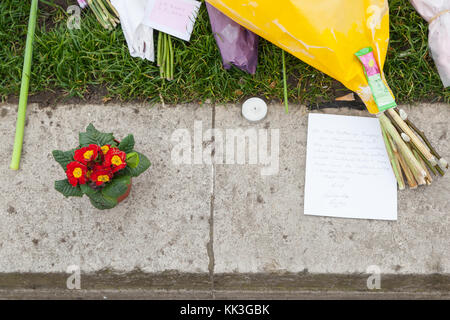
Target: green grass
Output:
[(75, 62)]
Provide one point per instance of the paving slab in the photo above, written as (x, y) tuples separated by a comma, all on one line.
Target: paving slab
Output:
[(259, 226), (257, 221), (163, 225)]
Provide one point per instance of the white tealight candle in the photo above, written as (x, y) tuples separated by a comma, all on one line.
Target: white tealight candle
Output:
[(254, 109)]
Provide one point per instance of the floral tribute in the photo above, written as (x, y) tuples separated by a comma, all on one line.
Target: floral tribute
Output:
[(100, 168)]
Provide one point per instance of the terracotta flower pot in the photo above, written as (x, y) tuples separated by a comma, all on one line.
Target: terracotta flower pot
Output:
[(125, 195)]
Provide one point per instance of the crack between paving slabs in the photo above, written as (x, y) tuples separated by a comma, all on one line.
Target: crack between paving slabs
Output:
[(210, 245)]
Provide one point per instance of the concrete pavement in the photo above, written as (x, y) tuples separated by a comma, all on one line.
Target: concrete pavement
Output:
[(206, 219)]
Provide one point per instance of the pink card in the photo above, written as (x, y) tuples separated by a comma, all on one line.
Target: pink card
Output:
[(175, 17)]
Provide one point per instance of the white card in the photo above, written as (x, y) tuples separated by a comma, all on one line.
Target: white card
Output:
[(348, 172), (174, 17)]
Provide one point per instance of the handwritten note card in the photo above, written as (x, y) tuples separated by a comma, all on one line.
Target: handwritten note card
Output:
[(348, 173), (175, 17)]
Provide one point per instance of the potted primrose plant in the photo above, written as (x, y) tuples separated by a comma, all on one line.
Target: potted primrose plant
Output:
[(100, 168)]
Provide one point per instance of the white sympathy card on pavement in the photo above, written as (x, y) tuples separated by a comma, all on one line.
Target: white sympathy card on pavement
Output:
[(174, 17), (348, 172)]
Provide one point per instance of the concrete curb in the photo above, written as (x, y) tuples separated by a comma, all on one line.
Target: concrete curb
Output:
[(173, 285)]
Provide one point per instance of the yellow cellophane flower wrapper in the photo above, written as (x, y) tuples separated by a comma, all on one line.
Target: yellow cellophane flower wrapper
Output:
[(323, 33)]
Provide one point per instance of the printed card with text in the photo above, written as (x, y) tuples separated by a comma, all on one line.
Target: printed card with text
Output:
[(174, 17)]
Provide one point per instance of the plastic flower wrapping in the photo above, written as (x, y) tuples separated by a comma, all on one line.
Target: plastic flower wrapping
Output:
[(238, 46), (320, 34), (437, 14)]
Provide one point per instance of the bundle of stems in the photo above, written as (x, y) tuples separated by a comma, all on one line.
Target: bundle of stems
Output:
[(165, 56), (105, 13), (410, 152)]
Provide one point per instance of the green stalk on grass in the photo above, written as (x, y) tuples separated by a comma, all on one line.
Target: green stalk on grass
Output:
[(171, 58), (286, 106), (105, 13), (165, 56), (24, 88), (158, 50), (98, 14)]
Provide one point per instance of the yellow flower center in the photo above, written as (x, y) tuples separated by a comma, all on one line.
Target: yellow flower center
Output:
[(115, 160), (105, 149), (88, 154), (103, 178), (77, 172)]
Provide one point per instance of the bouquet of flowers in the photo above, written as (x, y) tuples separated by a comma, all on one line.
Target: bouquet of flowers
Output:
[(336, 47), (100, 168)]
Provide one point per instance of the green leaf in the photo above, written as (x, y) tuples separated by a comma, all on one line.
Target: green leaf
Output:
[(132, 160), (102, 202), (97, 199), (93, 136), (127, 144), (87, 190), (63, 158), (117, 187), (67, 189), (143, 165)]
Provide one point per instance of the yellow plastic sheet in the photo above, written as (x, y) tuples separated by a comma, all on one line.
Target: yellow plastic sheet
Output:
[(323, 33)]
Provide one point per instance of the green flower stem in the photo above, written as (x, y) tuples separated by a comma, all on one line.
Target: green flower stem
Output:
[(98, 14), (408, 173), (159, 49), (429, 165), (24, 88), (162, 67), (101, 8), (435, 169), (285, 83), (404, 150), (423, 136), (397, 172), (428, 177), (171, 58), (165, 56), (106, 13), (112, 8), (414, 139)]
